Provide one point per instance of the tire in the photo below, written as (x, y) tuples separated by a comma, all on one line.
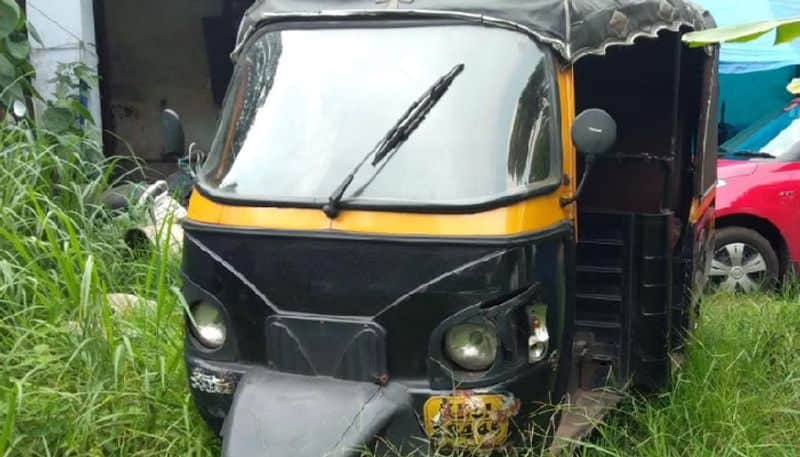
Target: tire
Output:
[(743, 261)]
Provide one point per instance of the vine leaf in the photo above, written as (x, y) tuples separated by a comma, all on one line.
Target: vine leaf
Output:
[(18, 49), (57, 119), (8, 73), (35, 34), (9, 17)]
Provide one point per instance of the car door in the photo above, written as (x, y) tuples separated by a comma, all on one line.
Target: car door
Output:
[(789, 200)]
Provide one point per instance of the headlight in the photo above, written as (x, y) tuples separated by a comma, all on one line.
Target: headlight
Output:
[(208, 325), (473, 347), (539, 340)]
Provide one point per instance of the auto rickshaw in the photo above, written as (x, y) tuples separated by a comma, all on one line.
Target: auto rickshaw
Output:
[(420, 221)]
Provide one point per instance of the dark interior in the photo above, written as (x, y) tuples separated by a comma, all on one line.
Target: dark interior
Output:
[(178, 58), (654, 102)]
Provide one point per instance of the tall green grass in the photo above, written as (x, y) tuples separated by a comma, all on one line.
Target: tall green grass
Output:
[(737, 394), (77, 378)]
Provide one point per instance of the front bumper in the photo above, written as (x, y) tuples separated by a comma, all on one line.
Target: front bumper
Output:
[(291, 415), (256, 409)]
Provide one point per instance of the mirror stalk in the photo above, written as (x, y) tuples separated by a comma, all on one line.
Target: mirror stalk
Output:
[(588, 168)]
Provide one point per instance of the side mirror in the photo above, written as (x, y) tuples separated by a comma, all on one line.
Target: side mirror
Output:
[(172, 131), (594, 132)]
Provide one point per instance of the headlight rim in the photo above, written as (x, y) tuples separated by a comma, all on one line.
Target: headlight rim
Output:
[(506, 314), (202, 343)]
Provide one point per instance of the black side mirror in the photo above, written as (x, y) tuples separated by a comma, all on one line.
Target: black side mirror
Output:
[(594, 133), (172, 130)]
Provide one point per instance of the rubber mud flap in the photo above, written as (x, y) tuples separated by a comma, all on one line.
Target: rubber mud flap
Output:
[(279, 414)]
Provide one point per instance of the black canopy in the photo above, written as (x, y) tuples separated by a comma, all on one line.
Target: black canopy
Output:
[(573, 28)]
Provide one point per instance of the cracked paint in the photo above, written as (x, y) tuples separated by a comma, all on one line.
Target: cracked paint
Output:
[(212, 382)]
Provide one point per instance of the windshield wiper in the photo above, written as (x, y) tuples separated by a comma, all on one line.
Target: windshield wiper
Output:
[(757, 154), (399, 132)]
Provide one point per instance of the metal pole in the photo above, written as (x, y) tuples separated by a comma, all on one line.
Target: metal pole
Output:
[(669, 165)]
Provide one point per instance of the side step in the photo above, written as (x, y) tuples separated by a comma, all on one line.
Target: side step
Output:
[(583, 412), (623, 295)]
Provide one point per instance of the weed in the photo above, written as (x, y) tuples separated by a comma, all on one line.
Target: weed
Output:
[(75, 377)]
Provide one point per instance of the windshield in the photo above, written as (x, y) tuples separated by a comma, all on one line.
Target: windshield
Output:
[(777, 136), (305, 106)]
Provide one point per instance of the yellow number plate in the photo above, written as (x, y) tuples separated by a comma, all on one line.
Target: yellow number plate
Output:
[(469, 420)]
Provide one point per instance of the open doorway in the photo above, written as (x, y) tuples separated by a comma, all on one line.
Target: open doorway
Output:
[(155, 54)]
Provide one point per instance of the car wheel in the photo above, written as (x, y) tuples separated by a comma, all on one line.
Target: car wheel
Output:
[(744, 261)]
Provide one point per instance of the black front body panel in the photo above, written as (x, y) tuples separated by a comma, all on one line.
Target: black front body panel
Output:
[(368, 308), (403, 287)]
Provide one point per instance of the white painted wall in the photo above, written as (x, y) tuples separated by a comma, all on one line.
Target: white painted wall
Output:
[(67, 31)]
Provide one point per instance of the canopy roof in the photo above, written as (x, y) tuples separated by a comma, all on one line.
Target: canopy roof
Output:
[(573, 28)]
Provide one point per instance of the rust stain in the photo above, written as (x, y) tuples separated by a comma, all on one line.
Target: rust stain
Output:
[(468, 419)]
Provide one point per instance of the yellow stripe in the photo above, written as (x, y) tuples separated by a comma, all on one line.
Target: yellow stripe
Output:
[(207, 211), (527, 216)]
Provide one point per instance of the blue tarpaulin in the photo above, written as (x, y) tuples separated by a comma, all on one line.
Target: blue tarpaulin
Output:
[(748, 97), (761, 54), (753, 75)]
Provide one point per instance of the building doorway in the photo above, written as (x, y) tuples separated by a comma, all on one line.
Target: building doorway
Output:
[(155, 54)]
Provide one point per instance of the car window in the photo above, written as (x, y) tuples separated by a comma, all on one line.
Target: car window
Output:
[(785, 142), (778, 136)]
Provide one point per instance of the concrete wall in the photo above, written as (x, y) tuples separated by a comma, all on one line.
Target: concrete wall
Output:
[(67, 31), (156, 51)]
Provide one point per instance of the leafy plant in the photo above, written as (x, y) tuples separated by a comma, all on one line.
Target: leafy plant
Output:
[(65, 111), (786, 30), (65, 118), (15, 69)]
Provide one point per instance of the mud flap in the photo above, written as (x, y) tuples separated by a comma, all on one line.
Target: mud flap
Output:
[(279, 414)]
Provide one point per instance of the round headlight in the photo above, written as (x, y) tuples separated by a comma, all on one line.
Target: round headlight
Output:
[(209, 325), (473, 347)]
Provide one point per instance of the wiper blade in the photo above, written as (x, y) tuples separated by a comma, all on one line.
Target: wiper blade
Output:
[(400, 131), (415, 114), (758, 154)]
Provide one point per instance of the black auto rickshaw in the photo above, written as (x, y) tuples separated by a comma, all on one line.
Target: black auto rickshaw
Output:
[(393, 241)]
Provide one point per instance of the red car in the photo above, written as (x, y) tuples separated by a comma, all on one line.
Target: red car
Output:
[(758, 204)]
